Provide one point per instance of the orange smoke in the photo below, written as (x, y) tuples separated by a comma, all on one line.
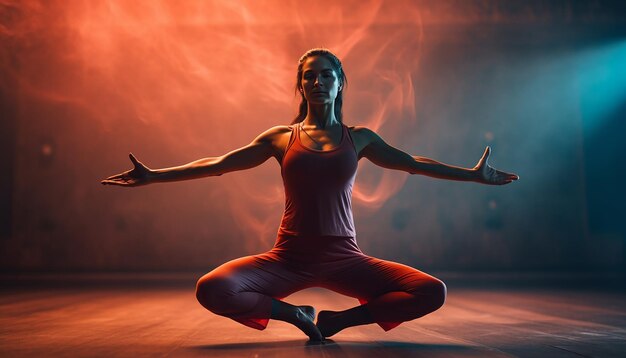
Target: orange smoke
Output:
[(176, 81)]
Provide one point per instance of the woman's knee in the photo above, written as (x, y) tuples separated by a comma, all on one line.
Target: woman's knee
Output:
[(213, 292), (437, 292)]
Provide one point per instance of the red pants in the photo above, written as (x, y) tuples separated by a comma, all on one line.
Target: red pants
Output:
[(242, 289)]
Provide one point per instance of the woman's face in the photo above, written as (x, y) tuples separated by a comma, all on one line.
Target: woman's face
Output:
[(320, 83)]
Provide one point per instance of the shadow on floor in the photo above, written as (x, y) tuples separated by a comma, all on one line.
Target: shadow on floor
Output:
[(343, 346)]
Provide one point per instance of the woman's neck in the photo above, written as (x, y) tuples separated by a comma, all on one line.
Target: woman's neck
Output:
[(321, 116)]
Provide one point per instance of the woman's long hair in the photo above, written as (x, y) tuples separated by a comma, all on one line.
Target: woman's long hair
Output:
[(343, 81)]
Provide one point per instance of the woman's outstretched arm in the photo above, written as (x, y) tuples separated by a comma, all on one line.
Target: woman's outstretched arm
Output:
[(249, 156), (386, 156)]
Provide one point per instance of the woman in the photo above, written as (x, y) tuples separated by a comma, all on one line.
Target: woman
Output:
[(316, 244)]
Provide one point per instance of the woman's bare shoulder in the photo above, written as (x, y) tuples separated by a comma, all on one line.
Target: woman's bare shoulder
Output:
[(278, 137), (281, 129), (275, 133), (362, 137), (362, 132)]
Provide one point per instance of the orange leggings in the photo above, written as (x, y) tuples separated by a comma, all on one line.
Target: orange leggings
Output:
[(242, 289)]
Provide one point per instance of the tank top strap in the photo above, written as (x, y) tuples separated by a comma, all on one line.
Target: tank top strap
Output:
[(294, 135), (349, 135), (292, 139)]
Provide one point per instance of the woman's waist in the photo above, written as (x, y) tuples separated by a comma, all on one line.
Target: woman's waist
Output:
[(316, 247), (316, 223)]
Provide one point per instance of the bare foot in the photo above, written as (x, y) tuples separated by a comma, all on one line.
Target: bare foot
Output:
[(327, 323), (305, 315)]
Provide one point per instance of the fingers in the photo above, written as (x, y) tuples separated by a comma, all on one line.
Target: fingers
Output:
[(114, 182), (498, 177), (133, 159), (119, 182), (118, 179), (507, 176), (124, 176), (486, 153), (117, 176), (483, 160), (502, 178)]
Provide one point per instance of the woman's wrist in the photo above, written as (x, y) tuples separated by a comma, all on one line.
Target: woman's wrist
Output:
[(153, 176)]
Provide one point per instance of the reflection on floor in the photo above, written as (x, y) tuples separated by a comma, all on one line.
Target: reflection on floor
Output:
[(163, 318)]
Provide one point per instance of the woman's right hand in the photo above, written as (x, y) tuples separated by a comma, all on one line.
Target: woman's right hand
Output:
[(139, 175)]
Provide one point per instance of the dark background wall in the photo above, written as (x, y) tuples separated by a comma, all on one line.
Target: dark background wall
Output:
[(83, 84)]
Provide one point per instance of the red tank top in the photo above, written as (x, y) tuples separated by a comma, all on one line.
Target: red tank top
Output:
[(318, 188)]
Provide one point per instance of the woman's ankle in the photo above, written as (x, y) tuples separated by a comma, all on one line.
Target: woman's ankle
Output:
[(283, 311), (357, 316)]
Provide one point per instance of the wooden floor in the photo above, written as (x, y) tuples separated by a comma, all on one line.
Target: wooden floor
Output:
[(166, 320)]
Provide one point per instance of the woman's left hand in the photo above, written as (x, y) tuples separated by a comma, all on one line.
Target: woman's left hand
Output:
[(486, 174)]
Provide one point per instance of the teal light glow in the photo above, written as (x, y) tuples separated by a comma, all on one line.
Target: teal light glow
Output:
[(602, 82)]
